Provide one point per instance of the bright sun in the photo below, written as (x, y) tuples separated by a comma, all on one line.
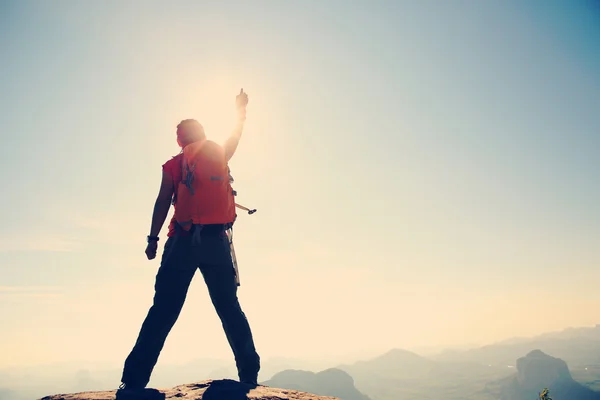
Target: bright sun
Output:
[(212, 103), (218, 123)]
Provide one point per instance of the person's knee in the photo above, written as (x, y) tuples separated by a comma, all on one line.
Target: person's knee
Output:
[(228, 307)]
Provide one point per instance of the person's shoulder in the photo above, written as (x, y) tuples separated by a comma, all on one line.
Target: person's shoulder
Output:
[(173, 162)]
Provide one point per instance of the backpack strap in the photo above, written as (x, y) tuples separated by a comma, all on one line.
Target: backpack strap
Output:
[(176, 185), (187, 171)]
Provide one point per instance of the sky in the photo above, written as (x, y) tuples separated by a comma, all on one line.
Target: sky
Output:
[(426, 173)]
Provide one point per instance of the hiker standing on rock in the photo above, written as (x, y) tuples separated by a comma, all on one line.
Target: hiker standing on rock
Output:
[(197, 183)]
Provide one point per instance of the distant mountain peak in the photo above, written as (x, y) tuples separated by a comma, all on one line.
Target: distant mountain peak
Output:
[(400, 354), (537, 353), (538, 369), (329, 382)]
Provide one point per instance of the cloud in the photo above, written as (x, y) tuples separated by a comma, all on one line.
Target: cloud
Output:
[(108, 228), (37, 243), (30, 291), (76, 232)]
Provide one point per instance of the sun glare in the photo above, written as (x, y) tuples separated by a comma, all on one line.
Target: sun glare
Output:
[(210, 99), (212, 103), (218, 121)]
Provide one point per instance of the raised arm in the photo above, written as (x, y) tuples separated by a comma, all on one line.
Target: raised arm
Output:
[(241, 101)]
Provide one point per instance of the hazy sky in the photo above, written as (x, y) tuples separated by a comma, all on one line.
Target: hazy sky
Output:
[(426, 172)]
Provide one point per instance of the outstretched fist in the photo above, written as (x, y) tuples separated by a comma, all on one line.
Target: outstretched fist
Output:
[(241, 100)]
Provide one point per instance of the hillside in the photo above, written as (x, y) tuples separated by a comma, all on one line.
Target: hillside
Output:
[(330, 382), (393, 364), (403, 375), (538, 370)]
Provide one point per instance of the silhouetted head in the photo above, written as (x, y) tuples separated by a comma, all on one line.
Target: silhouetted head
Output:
[(189, 131)]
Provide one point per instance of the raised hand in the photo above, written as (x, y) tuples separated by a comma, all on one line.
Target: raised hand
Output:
[(241, 100)]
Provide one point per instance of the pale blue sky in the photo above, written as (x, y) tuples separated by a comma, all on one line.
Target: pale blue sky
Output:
[(426, 172)]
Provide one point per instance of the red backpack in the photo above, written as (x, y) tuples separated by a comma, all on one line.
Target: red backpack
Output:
[(204, 195)]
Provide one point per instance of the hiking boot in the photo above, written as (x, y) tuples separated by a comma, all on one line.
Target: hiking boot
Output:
[(249, 379), (127, 391)]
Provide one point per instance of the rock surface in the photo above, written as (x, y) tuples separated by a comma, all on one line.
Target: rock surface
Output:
[(205, 390)]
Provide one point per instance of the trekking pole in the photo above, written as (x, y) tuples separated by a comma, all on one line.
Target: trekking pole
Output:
[(229, 233), (250, 212)]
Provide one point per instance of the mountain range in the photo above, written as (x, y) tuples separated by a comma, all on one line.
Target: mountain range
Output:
[(497, 371), (579, 347)]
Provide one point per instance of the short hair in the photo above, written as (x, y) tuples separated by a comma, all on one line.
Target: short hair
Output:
[(189, 131)]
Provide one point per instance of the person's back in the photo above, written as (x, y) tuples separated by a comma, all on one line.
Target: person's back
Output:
[(204, 195), (204, 209)]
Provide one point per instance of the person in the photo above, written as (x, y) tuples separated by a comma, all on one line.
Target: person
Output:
[(181, 257)]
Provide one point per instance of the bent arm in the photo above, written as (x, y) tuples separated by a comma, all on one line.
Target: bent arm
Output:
[(162, 204)]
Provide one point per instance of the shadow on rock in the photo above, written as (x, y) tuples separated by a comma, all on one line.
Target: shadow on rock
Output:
[(146, 394), (227, 389)]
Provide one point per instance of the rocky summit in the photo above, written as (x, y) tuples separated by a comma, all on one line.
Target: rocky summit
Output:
[(205, 390)]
